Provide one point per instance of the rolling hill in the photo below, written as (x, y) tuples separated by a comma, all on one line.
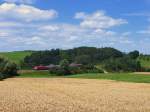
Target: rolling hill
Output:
[(15, 56)]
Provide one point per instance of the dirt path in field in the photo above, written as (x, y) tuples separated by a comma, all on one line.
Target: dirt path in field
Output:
[(144, 73), (72, 95)]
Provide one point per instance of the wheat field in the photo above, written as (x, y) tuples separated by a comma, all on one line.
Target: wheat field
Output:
[(72, 95)]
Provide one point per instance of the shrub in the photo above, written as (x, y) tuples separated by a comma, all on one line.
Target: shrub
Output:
[(10, 68), (59, 71), (7, 68), (56, 71), (92, 69), (76, 70)]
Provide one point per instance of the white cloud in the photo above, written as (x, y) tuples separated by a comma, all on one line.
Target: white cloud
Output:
[(25, 13), (41, 36), (6, 24), (49, 28), (23, 35), (98, 20), (35, 40), (20, 1)]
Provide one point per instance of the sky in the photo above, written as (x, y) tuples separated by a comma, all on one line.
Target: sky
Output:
[(65, 24)]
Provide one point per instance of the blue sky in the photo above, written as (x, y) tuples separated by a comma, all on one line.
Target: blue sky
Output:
[(46, 24)]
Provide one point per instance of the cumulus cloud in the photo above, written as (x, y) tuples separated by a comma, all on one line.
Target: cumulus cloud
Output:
[(25, 13), (19, 31), (98, 20), (41, 36), (20, 1)]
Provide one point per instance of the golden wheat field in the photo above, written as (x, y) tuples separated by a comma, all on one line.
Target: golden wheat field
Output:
[(72, 95)]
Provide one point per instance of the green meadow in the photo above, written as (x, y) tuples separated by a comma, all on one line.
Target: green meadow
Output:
[(126, 77), (15, 56)]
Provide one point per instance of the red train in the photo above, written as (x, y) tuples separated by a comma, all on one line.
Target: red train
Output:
[(40, 67)]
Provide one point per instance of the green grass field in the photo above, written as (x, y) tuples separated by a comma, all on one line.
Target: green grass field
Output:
[(15, 56), (127, 77)]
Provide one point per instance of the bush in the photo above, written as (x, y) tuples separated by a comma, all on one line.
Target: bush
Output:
[(76, 70), (10, 68), (7, 68), (59, 71), (56, 71), (92, 69)]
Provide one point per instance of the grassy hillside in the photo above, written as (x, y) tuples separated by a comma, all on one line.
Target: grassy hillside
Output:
[(15, 56)]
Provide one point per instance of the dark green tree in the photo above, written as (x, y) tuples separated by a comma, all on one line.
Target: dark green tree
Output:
[(83, 59), (134, 54)]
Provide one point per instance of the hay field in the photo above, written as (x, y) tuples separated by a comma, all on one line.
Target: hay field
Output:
[(72, 95)]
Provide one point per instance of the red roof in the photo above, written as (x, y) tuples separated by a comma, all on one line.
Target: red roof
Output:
[(40, 68)]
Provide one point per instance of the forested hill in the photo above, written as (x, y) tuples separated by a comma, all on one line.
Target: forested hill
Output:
[(84, 55), (110, 59), (79, 55)]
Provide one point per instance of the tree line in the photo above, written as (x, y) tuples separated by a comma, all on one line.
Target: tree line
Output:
[(109, 58)]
